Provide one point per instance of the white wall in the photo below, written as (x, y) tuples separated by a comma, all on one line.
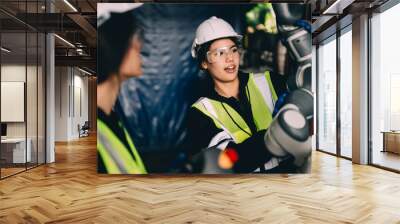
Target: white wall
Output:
[(13, 101), (80, 102), (61, 103), (9, 73), (71, 93), (33, 126), (13, 72)]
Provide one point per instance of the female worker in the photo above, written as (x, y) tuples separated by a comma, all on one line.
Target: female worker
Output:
[(118, 60), (235, 108)]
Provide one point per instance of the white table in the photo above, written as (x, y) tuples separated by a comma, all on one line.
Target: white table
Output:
[(18, 145)]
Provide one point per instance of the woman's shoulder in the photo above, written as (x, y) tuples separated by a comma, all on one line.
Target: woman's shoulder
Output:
[(196, 115)]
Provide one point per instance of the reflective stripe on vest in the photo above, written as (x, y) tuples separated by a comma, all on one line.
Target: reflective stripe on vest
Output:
[(216, 111), (261, 95), (116, 157), (262, 99)]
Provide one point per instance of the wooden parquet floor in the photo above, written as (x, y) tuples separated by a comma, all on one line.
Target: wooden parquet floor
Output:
[(70, 191)]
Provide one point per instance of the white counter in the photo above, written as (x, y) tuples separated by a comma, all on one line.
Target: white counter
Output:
[(18, 145)]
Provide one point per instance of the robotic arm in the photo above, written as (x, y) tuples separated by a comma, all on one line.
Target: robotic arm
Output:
[(289, 132), (295, 34)]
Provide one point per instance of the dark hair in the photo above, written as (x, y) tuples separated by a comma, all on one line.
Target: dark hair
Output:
[(202, 49), (114, 37)]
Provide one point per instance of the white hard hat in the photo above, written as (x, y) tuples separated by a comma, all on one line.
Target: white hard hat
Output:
[(104, 10), (212, 29)]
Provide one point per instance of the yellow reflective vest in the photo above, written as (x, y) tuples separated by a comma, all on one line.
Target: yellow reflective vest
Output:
[(262, 97), (117, 158)]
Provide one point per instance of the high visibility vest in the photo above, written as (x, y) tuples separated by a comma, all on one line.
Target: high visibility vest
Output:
[(262, 97), (115, 155)]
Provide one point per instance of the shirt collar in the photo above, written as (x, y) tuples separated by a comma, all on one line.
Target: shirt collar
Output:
[(243, 79)]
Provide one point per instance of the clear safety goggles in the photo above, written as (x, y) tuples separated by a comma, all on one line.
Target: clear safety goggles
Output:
[(220, 54)]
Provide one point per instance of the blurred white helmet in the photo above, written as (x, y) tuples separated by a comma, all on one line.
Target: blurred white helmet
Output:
[(104, 10), (212, 29)]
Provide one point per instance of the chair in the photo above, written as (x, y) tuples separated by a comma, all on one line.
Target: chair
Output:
[(84, 130)]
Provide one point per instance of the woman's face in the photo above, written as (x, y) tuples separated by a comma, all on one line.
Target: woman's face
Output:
[(131, 65), (222, 60)]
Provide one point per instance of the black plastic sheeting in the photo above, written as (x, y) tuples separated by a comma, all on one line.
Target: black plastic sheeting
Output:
[(155, 105)]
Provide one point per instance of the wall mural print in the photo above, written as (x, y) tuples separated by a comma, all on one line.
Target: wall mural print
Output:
[(204, 88)]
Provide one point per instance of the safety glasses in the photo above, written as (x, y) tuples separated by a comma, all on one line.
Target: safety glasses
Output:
[(220, 54)]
